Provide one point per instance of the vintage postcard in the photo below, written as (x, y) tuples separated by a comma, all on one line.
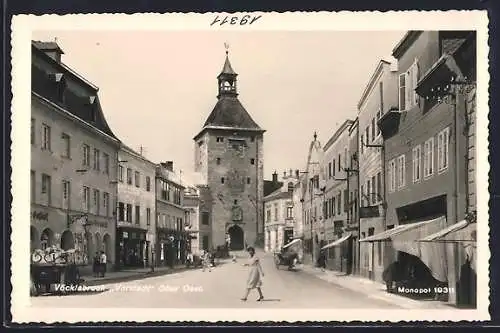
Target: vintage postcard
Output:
[(250, 167)]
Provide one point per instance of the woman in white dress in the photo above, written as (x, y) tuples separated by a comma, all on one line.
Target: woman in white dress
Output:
[(255, 275)]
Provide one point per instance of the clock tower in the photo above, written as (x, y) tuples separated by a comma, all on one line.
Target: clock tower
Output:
[(229, 154)]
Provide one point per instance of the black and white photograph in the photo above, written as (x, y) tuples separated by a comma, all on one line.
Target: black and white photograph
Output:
[(182, 168)]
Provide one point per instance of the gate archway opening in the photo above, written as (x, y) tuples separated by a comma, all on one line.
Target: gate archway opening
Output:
[(237, 238), (67, 240)]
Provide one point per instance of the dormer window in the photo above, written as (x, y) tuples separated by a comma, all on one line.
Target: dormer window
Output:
[(60, 86)]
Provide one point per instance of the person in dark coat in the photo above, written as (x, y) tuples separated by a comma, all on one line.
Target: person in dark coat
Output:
[(96, 264), (322, 260), (391, 274)]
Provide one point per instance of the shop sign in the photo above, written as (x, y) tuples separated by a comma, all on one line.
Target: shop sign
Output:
[(40, 216)]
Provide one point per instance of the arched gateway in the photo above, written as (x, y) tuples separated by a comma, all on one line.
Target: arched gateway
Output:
[(237, 238)]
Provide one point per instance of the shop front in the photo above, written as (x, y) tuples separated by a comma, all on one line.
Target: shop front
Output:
[(173, 246), (133, 247)]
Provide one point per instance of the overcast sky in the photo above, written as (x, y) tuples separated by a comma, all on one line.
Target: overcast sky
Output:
[(158, 88)]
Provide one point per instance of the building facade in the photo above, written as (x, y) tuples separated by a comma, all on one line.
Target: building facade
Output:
[(73, 159), (172, 238), (378, 97), (425, 146), (229, 155), (311, 202), (279, 219), (336, 166), (136, 230)]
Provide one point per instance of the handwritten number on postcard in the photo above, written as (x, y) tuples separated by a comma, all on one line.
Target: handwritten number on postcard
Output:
[(233, 20)]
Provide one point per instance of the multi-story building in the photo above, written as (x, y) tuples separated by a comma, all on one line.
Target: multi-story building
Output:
[(172, 238), (197, 216), (73, 159), (425, 144), (336, 166), (377, 98), (279, 219), (229, 154), (311, 202), (136, 230)]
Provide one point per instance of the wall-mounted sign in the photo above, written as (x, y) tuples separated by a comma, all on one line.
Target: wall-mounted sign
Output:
[(40, 216), (369, 212)]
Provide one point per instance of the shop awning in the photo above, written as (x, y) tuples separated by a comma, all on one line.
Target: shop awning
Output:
[(295, 241), (408, 231), (337, 242), (459, 232)]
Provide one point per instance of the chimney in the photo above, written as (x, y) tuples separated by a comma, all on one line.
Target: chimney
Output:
[(51, 49), (297, 173), (290, 173), (275, 177), (169, 165)]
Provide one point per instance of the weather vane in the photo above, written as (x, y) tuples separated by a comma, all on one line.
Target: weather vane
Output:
[(226, 46)]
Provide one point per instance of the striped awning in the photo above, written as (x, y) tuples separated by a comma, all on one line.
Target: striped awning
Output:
[(462, 231), (337, 242), (425, 227)]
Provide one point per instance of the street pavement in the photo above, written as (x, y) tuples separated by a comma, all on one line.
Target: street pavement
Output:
[(221, 288)]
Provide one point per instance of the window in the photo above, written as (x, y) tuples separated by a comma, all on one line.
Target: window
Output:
[(148, 183), (33, 130), (106, 163), (416, 161), (222, 180), (362, 195), (218, 160), (33, 186), (401, 171), (392, 175), (164, 190), (402, 92), (368, 191), (252, 161), (379, 115), (205, 243), (268, 215), (86, 155), (97, 202), (120, 173), (345, 158), (46, 183), (148, 216), (330, 170), (66, 145), (339, 167), (121, 211), (362, 144), (66, 192), (333, 168), (373, 129), (220, 139), (137, 214), (248, 180), (205, 218), (129, 176), (443, 147), (339, 203), (128, 217), (333, 206), (46, 137), (374, 191), (379, 253), (367, 134), (105, 203), (429, 157), (275, 212), (97, 158), (379, 186), (408, 97), (289, 212), (137, 179), (86, 199)]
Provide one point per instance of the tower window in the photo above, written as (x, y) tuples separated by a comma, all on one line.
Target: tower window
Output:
[(220, 139), (235, 202), (222, 180), (218, 160), (252, 161), (248, 180)]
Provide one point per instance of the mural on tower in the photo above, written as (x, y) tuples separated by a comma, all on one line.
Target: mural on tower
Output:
[(229, 154)]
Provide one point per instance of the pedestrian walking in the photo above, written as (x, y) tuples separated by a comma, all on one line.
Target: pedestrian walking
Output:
[(95, 264), (206, 261), (322, 260), (103, 263), (255, 275)]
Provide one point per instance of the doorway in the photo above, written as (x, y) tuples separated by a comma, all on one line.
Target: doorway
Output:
[(237, 238)]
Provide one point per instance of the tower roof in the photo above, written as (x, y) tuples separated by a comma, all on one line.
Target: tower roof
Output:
[(229, 112), (228, 69)]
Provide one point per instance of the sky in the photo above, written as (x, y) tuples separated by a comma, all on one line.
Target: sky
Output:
[(158, 88)]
